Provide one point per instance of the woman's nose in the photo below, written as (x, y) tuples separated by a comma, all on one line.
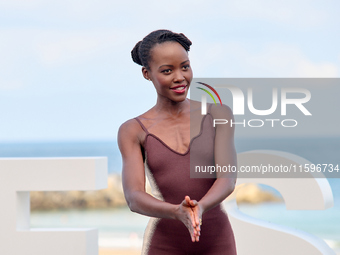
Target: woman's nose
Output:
[(179, 77)]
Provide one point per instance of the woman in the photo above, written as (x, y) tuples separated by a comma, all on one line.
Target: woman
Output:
[(158, 143)]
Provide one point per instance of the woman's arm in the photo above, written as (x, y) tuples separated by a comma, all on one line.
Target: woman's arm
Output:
[(225, 154), (133, 178)]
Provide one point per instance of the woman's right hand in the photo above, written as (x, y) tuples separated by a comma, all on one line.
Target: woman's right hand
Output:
[(185, 214)]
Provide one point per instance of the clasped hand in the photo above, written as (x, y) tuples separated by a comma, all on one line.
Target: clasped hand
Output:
[(190, 213)]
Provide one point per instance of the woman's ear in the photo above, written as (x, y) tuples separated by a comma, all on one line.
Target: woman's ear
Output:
[(145, 72)]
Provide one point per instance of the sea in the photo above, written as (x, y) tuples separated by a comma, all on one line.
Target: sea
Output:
[(121, 228)]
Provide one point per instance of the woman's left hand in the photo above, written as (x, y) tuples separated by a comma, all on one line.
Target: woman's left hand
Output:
[(197, 209)]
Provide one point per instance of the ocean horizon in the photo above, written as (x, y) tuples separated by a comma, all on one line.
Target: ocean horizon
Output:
[(315, 149)]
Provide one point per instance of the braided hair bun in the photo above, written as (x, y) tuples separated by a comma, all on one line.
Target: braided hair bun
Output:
[(141, 53)]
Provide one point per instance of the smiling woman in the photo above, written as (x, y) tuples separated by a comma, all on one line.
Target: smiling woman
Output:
[(169, 70), (158, 142)]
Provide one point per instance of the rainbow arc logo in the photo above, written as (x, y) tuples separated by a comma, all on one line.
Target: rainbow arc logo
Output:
[(209, 93)]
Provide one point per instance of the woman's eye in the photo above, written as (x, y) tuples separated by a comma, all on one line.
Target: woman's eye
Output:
[(166, 71), (186, 67)]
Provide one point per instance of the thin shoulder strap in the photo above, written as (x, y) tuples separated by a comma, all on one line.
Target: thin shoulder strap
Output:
[(141, 124)]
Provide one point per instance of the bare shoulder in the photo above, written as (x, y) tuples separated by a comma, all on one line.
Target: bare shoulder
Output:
[(221, 111), (222, 114), (128, 126), (130, 130)]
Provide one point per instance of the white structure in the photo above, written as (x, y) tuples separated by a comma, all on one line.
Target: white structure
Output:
[(254, 236), (19, 176)]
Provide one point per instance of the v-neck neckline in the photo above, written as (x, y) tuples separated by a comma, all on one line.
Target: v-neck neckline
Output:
[(171, 149)]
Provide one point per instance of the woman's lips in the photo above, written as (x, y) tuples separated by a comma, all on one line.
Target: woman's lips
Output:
[(179, 89)]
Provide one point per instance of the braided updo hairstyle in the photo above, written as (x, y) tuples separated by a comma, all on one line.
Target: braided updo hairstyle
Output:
[(141, 52)]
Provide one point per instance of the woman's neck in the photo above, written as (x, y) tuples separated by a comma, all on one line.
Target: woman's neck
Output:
[(171, 108)]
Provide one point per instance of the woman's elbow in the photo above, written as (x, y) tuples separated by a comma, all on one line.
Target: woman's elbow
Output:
[(130, 204), (131, 201)]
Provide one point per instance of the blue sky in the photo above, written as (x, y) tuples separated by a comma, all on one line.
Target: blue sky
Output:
[(66, 71)]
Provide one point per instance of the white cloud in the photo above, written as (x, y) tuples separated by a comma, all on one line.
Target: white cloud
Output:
[(60, 48), (299, 13), (22, 46), (289, 61), (306, 68), (236, 59), (20, 4), (302, 13)]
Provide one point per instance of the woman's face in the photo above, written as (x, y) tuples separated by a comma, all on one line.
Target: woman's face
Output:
[(170, 71)]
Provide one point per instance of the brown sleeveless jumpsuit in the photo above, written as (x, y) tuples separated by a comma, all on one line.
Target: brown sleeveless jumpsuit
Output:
[(168, 172)]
